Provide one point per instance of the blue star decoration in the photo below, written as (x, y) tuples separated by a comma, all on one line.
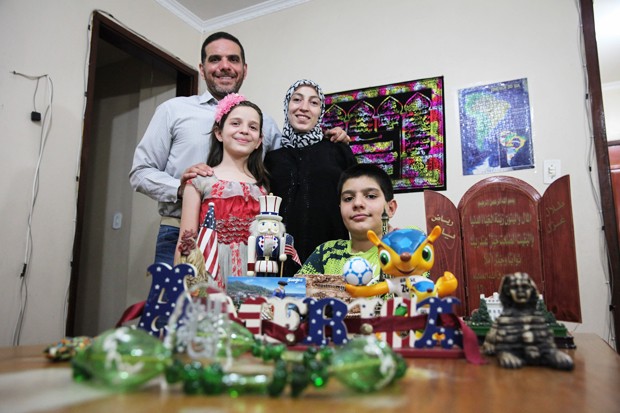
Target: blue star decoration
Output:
[(318, 321), (449, 336), (165, 289)]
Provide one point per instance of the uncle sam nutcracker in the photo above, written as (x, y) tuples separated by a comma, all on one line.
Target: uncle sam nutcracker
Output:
[(266, 244)]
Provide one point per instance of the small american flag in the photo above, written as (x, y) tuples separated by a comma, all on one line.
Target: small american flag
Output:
[(290, 250), (207, 242)]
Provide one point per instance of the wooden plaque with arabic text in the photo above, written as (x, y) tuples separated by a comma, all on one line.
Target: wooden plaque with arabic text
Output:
[(448, 248), (499, 220), (506, 226), (559, 253)]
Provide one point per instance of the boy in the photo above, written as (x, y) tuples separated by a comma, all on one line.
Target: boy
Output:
[(365, 193)]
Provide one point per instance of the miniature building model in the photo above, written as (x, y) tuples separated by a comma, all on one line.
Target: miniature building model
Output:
[(494, 306)]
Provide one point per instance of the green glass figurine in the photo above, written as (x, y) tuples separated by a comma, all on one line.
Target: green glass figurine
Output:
[(366, 364), (122, 359)]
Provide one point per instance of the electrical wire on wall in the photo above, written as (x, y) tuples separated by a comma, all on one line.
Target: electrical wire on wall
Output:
[(590, 161), (46, 124)]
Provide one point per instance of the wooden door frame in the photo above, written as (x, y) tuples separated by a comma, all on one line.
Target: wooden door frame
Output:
[(595, 98), (104, 28)]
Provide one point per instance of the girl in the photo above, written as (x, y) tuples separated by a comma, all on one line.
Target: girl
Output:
[(305, 172), (238, 180)]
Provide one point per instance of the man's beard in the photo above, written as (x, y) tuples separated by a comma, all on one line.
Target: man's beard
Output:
[(219, 92)]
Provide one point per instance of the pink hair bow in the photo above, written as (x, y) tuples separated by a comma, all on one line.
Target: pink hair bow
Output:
[(226, 104)]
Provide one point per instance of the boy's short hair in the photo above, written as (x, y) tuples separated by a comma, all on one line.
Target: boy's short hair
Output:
[(371, 171)]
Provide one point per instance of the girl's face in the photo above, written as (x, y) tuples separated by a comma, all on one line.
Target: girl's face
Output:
[(304, 109), (241, 134)]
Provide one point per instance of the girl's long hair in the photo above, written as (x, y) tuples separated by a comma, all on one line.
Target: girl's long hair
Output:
[(255, 160)]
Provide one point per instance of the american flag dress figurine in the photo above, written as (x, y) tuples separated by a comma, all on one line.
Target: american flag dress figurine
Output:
[(207, 242)]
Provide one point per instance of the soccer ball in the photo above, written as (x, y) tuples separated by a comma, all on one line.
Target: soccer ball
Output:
[(357, 271)]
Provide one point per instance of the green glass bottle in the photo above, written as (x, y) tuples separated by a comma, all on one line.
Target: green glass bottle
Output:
[(122, 359), (364, 364)]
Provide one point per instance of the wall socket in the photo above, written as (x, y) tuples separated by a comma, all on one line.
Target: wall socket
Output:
[(552, 170)]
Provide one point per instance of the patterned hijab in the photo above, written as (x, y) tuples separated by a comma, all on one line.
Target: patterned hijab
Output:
[(292, 139)]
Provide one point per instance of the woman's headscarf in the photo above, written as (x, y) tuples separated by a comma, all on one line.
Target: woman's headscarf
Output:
[(292, 139)]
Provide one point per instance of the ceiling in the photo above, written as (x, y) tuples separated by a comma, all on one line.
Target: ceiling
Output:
[(211, 15)]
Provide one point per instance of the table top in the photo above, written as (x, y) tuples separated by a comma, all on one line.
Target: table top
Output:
[(28, 382)]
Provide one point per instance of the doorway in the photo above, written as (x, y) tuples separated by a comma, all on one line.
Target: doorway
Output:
[(116, 228)]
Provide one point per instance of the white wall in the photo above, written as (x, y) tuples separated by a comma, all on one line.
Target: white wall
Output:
[(51, 38), (611, 103), (343, 45)]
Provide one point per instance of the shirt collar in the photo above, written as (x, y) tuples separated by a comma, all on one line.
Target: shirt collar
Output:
[(208, 99)]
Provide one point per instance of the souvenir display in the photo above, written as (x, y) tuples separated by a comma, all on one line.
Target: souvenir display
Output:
[(207, 353), (263, 340), (520, 335)]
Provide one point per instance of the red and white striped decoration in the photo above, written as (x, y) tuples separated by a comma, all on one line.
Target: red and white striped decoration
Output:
[(393, 338), (250, 312)]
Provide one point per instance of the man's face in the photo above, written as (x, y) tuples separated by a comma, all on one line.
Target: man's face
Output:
[(223, 69)]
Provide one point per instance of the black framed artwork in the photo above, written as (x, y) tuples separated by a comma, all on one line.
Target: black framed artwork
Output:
[(399, 127)]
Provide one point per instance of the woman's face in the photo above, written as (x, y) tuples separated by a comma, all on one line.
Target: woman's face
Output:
[(304, 109)]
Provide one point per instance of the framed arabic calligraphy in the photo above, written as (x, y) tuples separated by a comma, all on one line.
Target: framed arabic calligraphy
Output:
[(399, 127)]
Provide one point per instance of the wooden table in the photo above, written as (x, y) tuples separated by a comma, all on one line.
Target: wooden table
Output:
[(28, 382)]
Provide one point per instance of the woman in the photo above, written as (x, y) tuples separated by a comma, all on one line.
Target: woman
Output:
[(305, 172)]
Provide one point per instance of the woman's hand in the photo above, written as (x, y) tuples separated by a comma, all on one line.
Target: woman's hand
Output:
[(337, 134)]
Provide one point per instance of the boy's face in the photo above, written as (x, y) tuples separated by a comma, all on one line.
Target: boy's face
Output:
[(362, 204)]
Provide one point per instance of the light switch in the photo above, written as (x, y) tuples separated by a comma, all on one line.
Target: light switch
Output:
[(552, 170), (117, 221)]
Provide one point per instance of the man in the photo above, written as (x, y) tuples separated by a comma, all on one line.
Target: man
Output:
[(280, 290), (176, 142)]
